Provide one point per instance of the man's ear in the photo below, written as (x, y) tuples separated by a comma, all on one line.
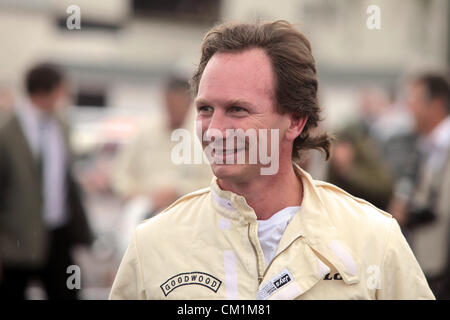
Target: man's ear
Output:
[(296, 126)]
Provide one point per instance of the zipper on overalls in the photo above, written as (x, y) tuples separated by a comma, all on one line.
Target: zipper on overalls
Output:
[(258, 265)]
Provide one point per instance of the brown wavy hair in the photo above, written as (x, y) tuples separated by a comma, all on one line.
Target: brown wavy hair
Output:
[(293, 65)]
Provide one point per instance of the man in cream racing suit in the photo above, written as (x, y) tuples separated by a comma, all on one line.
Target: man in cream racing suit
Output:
[(265, 230)]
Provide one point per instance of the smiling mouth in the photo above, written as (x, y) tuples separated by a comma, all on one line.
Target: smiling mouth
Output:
[(225, 152)]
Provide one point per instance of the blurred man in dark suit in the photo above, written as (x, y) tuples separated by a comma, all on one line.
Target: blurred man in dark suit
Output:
[(41, 214)]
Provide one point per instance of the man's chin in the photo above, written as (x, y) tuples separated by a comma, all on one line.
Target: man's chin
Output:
[(227, 171)]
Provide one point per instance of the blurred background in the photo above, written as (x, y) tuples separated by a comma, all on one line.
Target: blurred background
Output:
[(126, 69)]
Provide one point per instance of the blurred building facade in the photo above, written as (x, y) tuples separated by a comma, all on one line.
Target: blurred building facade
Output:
[(125, 45)]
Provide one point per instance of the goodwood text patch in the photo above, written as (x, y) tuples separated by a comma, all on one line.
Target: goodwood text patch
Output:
[(188, 278)]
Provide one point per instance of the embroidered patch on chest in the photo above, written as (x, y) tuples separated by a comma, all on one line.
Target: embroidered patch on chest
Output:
[(190, 278)]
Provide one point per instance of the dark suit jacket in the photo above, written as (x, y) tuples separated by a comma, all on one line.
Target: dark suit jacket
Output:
[(24, 238)]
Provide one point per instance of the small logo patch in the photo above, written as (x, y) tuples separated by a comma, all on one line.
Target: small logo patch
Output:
[(188, 278), (274, 284), (282, 281)]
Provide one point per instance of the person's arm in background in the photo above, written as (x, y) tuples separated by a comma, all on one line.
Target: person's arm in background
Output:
[(404, 159)]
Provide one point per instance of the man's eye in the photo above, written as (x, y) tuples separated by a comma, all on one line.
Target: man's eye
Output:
[(204, 109), (237, 109)]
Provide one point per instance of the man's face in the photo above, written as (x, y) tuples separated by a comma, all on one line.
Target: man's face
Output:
[(419, 106), (236, 91), (53, 100)]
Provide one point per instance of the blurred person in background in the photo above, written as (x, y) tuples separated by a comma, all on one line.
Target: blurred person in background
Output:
[(382, 117), (144, 167), (357, 167), (392, 131), (357, 164), (41, 214), (426, 214)]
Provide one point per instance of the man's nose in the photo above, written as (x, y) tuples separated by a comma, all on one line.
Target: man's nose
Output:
[(218, 126)]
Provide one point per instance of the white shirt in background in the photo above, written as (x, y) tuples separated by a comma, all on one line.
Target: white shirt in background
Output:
[(436, 145)]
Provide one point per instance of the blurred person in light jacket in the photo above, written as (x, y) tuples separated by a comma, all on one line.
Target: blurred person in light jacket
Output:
[(41, 214), (145, 167)]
